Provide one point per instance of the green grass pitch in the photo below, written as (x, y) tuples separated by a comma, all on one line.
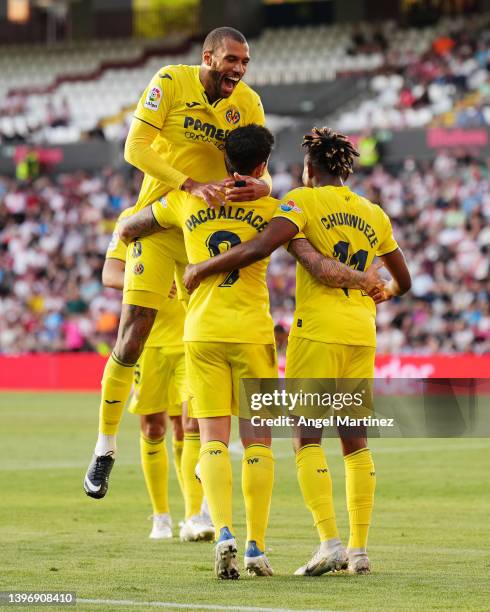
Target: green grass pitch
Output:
[(429, 543)]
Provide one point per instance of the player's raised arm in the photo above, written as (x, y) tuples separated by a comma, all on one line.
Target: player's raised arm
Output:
[(400, 282), (148, 120), (333, 273), (142, 223)]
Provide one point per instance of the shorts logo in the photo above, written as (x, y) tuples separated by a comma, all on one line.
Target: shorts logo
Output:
[(139, 269), (232, 115), (153, 98), (163, 202), (300, 323), (290, 206), (137, 249)]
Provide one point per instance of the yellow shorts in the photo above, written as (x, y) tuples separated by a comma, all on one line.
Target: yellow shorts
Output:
[(150, 267), (214, 370), (310, 359), (334, 363), (160, 383)]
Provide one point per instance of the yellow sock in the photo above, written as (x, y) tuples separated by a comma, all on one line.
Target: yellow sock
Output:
[(177, 448), (216, 478), (360, 480), (116, 387), (154, 461), (316, 486), (192, 487), (257, 483)]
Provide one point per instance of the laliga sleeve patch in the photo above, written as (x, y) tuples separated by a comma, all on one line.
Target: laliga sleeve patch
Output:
[(114, 241), (153, 98), (290, 206)]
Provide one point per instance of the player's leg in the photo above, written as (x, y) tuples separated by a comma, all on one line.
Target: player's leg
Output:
[(210, 383), (195, 526), (154, 462), (255, 361), (198, 524), (360, 474), (134, 327), (216, 478), (148, 277), (177, 446), (152, 380), (307, 359)]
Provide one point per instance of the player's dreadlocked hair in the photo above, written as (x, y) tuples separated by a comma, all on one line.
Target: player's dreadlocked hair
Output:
[(330, 151)]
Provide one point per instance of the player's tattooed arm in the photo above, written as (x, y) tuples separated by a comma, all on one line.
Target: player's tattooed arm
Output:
[(332, 272), (142, 223)]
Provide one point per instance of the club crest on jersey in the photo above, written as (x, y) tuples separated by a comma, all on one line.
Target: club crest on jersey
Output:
[(290, 206), (232, 115), (139, 269), (153, 98), (137, 249)]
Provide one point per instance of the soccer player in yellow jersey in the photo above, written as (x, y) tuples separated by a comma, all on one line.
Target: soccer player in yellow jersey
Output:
[(333, 334), (177, 140), (160, 387), (228, 336)]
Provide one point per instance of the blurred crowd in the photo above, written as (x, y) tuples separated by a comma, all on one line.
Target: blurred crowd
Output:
[(447, 85), (54, 233)]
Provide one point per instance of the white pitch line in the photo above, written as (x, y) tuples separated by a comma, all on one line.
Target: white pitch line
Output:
[(184, 606)]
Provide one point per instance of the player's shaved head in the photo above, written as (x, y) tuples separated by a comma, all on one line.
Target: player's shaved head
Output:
[(215, 38), (247, 147)]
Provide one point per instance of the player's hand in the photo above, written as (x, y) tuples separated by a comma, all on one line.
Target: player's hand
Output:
[(385, 292), (191, 278), (251, 189), (372, 279), (173, 291), (212, 193)]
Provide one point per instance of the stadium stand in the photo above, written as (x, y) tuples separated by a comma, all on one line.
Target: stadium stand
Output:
[(55, 232), (435, 76), (415, 76)]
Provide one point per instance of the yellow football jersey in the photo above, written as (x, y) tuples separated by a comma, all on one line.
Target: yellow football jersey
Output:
[(192, 131), (168, 328), (341, 224), (231, 307)]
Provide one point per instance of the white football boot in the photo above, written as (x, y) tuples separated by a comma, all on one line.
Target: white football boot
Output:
[(358, 561), (330, 556), (256, 562), (225, 561), (162, 527), (195, 528)]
